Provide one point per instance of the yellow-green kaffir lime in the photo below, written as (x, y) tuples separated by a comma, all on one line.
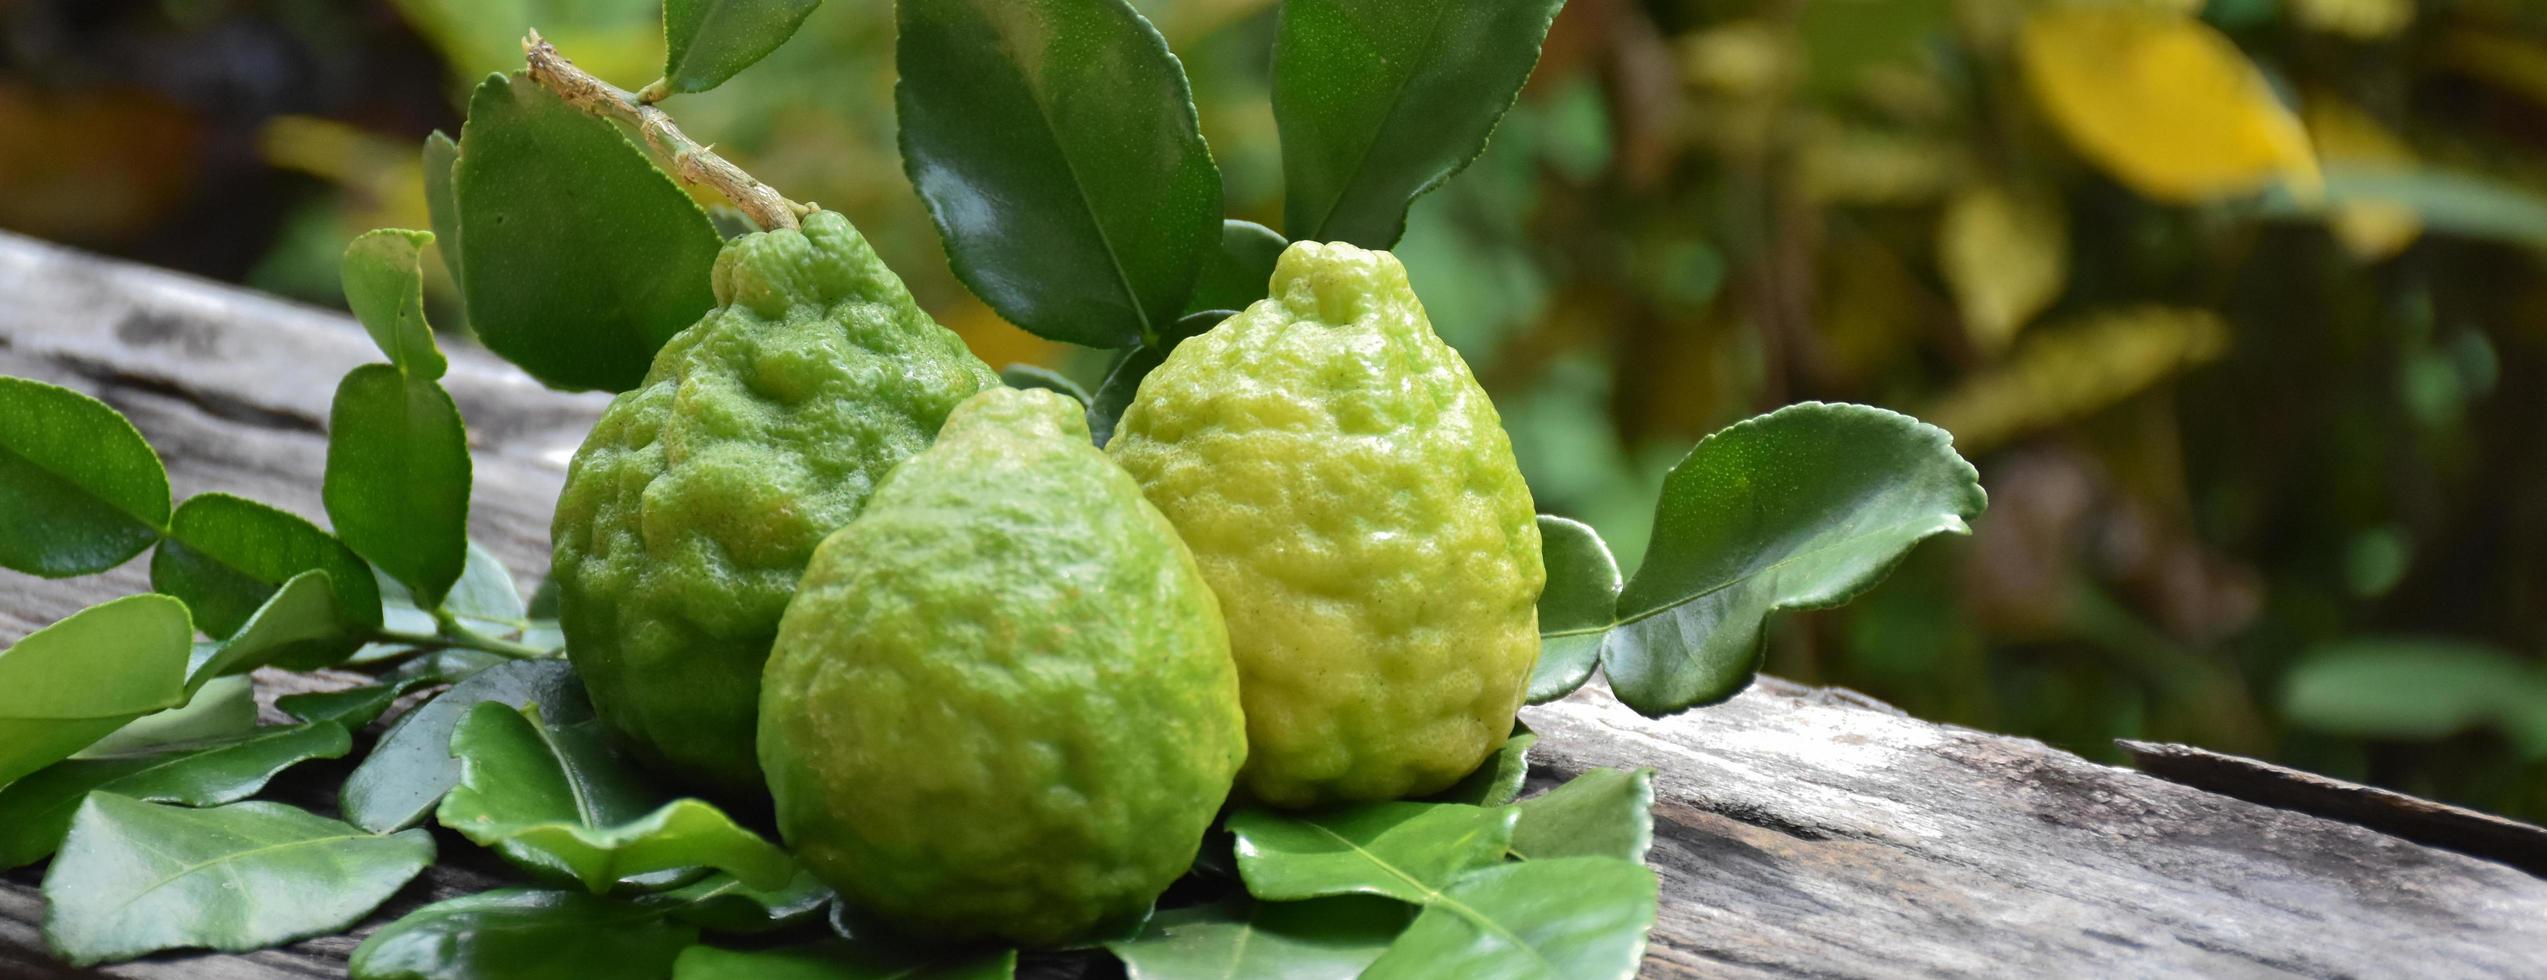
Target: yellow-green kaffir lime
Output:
[(694, 504), (1352, 498), (1002, 704)]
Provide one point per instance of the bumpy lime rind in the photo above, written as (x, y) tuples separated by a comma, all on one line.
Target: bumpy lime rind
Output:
[(699, 496), (1002, 705), (1351, 495)]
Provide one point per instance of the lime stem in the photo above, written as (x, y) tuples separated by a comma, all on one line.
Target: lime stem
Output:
[(692, 162)]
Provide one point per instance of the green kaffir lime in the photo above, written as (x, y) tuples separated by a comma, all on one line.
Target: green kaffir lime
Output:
[(1352, 498), (696, 501), (1002, 704)]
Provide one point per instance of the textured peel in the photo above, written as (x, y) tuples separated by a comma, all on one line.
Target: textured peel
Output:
[(693, 506), (1002, 704), (1351, 496)]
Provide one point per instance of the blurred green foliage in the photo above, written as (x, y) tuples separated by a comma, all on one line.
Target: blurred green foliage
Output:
[(2254, 379)]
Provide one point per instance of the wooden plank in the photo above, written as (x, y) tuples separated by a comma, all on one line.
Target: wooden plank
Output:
[(2447, 827), (1801, 832)]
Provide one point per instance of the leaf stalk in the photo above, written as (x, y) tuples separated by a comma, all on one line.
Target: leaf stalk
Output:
[(692, 162)]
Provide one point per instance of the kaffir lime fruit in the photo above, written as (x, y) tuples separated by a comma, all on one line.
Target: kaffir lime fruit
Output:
[(694, 504), (1002, 704), (1352, 498)]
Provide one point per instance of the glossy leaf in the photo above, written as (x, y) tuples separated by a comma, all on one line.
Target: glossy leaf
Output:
[(1583, 918), (384, 284), (2162, 101), (1803, 508), (299, 627), (1498, 780), (411, 768), (135, 877), (1037, 376), (1379, 101), (708, 41), (1404, 851), (36, 811), (523, 934), (225, 556), (1322, 939), (559, 800), (1576, 609), (69, 684), (397, 482), (1601, 813), (578, 257), (221, 708), (723, 903), (1056, 145), (835, 960), (83, 491), (1238, 273), (442, 204)]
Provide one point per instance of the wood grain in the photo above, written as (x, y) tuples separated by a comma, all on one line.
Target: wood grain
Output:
[(1801, 832)]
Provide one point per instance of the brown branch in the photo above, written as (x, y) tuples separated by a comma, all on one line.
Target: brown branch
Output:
[(691, 162)]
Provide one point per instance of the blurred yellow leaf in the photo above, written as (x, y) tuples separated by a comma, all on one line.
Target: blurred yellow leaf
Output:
[(2064, 372), (382, 179), (1746, 57), (2512, 63), (2006, 257), (2162, 101), (1855, 165), (2371, 229), (2363, 19)]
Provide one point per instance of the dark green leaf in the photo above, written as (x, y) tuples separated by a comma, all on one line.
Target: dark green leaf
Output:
[(1035, 376), (707, 41), (1123, 379), (2411, 688), (1122, 382), (225, 556), (1244, 940), (1239, 273), (1379, 101), (561, 801), (723, 903), (1404, 851), (299, 627), (1601, 813), (407, 773), (523, 934), (1803, 508), (1583, 918), (1497, 780), (1056, 145), (397, 483), (69, 684), (219, 708), (835, 960), (384, 284), (578, 257), (135, 877), (36, 811), (354, 707), (82, 490), (1576, 610)]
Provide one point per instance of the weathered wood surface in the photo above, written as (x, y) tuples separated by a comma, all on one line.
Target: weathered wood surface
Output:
[(1800, 832)]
